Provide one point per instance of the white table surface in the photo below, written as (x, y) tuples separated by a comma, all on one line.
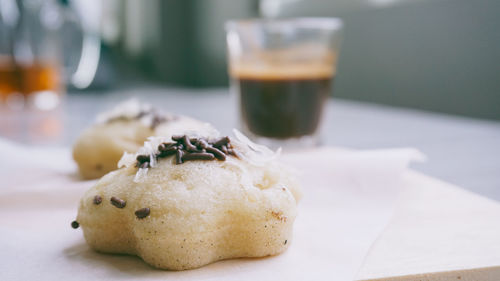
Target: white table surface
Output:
[(462, 151)]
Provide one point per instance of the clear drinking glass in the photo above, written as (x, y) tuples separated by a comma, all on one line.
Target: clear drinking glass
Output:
[(281, 73)]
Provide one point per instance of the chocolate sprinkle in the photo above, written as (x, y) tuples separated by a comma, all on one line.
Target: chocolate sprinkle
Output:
[(118, 203), (189, 146), (75, 224), (97, 200), (178, 156), (177, 138), (197, 156), (224, 149), (162, 147), (167, 152), (222, 141), (166, 146), (217, 153), (201, 143), (231, 151), (157, 120), (142, 213), (141, 114), (191, 149), (142, 158)]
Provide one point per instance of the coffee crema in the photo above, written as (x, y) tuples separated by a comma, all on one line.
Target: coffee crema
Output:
[(282, 103)]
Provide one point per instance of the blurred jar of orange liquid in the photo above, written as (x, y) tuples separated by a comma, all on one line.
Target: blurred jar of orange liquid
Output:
[(33, 72), (32, 84), (44, 46), (30, 67)]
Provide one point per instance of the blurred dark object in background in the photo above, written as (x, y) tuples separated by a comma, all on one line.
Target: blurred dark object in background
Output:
[(440, 55), (181, 42)]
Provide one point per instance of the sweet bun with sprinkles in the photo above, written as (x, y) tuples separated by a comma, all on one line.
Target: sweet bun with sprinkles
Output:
[(187, 201), (124, 129)]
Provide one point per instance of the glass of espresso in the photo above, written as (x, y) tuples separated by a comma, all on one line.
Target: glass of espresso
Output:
[(282, 73)]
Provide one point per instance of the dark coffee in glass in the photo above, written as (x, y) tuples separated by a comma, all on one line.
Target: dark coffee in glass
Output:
[(281, 75), (281, 106)]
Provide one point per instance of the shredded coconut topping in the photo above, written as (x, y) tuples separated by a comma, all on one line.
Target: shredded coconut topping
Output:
[(253, 153), (128, 109), (132, 109), (194, 147)]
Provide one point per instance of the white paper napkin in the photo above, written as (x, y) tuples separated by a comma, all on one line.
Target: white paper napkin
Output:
[(349, 197)]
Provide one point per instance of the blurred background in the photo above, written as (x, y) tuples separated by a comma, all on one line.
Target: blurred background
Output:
[(437, 55), (421, 73)]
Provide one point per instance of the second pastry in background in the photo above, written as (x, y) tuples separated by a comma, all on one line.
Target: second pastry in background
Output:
[(124, 129)]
